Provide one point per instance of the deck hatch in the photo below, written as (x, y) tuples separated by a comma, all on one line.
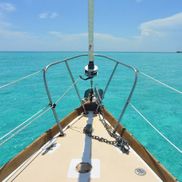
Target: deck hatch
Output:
[(84, 167)]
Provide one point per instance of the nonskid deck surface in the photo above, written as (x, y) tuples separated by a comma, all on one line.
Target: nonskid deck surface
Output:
[(58, 162)]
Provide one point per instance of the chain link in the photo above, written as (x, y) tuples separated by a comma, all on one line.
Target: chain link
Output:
[(119, 141), (101, 139)]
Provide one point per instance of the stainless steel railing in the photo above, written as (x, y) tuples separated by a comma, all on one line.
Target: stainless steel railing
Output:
[(117, 63)]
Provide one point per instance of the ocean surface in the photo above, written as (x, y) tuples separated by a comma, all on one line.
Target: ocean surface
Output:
[(160, 105)]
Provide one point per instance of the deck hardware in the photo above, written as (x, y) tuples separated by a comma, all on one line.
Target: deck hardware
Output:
[(49, 148), (84, 167), (53, 105), (91, 71), (140, 171), (88, 129)]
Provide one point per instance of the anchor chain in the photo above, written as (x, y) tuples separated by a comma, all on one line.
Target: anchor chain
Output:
[(119, 141)]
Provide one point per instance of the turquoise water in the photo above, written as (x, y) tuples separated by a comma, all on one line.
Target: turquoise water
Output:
[(159, 104)]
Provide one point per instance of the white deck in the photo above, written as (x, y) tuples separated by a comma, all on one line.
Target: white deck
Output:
[(58, 164)]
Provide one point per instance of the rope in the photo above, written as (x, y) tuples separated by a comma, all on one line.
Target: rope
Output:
[(164, 84), (26, 121), (22, 124), (20, 79), (41, 112), (61, 97), (162, 135)]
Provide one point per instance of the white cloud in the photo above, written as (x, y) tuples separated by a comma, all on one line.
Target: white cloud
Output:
[(69, 37), (6, 33), (139, 1), (4, 25), (69, 41), (11, 39), (157, 35), (160, 27), (7, 7), (161, 34), (48, 15), (54, 15), (80, 41), (43, 15)]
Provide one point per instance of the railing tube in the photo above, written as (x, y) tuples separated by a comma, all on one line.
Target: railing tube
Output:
[(51, 103), (76, 89), (128, 101), (116, 65)]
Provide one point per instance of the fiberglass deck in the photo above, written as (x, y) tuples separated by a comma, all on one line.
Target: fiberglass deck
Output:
[(59, 162)]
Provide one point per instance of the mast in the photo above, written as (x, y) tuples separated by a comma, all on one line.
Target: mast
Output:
[(91, 69), (91, 32)]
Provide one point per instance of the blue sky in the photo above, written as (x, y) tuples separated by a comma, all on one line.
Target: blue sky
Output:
[(120, 25)]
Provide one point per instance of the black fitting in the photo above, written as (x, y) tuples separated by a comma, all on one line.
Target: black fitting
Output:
[(91, 65), (52, 105), (88, 129)]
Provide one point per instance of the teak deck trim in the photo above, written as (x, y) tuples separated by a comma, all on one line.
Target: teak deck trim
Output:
[(155, 165), (14, 163)]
